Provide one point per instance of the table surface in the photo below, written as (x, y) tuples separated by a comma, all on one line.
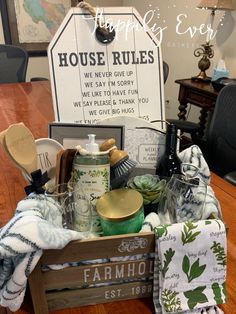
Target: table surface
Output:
[(198, 85), (31, 103)]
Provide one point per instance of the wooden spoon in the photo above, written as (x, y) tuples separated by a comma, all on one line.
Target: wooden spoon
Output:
[(21, 147), (2, 141), (25, 174)]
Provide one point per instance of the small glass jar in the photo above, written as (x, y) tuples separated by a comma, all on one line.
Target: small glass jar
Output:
[(121, 211)]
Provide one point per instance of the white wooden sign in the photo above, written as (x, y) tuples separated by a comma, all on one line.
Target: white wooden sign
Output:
[(91, 80), (144, 142)]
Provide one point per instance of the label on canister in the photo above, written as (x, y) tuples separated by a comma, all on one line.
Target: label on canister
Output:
[(94, 181)]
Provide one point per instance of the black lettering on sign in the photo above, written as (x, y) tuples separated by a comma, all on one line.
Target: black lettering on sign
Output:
[(87, 103), (89, 121), (127, 110), (132, 91), (119, 73), (107, 93), (100, 84), (150, 55), (115, 111), (126, 102), (132, 57), (93, 112), (96, 94), (116, 58), (86, 94), (111, 83), (103, 74), (88, 84), (144, 118), (98, 58), (102, 102), (118, 92), (77, 103), (79, 121), (88, 75), (143, 100), (104, 112), (82, 58)]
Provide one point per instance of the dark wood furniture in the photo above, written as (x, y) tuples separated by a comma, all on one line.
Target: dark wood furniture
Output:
[(197, 93), (31, 103)]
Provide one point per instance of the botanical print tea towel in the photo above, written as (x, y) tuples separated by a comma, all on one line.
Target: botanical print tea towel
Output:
[(190, 266)]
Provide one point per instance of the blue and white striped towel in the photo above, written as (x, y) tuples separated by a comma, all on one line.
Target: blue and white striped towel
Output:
[(36, 226)]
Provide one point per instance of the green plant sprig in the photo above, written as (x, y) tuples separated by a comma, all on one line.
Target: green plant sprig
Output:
[(193, 271), (187, 235), (170, 301), (168, 258), (195, 296), (219, 252)]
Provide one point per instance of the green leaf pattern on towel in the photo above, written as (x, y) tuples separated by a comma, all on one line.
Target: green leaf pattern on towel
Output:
[(168, 258), (195, 296), (224, 290), (217, 293), (193, 267), (170, 301), (194, 271), (187, 235), (218, 224), (161, 230), (219, 252)]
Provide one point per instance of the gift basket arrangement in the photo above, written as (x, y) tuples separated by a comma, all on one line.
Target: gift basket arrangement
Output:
[(93, 228), (135, 236)]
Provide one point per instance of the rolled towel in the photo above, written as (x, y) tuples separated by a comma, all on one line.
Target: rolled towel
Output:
[(151, 221)]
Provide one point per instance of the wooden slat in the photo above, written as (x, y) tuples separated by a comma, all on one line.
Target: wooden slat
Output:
[(37, 291), (3, 310), (75, 298), (95, 274), (104, 247)]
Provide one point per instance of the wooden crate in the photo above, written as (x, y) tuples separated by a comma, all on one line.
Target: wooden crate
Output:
[(131, 279)]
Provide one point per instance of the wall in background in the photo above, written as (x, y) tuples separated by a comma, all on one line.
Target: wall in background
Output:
[(38, 66), (177, 48)]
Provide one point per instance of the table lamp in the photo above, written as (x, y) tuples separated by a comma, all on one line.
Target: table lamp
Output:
[(206, 50)]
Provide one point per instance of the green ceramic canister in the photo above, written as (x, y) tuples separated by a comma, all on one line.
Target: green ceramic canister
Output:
[(121, 211)]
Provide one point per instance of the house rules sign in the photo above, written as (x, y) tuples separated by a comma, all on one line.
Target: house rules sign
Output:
[(106, 65)]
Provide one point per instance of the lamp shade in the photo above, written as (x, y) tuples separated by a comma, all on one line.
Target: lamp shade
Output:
[(216, 5)]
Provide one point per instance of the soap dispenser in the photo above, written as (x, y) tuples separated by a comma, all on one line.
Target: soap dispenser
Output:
[(91, 170)]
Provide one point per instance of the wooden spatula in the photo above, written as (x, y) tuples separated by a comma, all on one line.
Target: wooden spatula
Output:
[(20, 145)]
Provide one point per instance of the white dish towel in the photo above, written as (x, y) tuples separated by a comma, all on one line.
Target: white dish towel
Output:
[(191, 257), (37, 225)]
